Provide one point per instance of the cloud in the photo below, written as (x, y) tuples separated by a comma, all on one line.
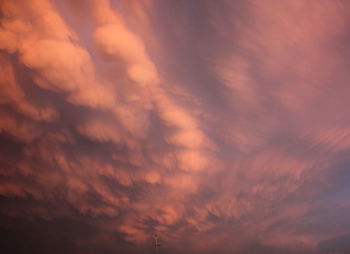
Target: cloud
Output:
[(219, 126), (13, 94)]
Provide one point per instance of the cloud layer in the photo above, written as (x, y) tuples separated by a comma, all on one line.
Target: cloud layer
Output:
[(220, 126)]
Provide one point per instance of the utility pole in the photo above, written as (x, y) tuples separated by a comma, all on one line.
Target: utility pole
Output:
[(156, 243)]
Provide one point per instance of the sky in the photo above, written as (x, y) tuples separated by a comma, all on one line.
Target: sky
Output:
[(220, 126)]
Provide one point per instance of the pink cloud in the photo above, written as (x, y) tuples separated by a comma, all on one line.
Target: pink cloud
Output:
[(217, 131)]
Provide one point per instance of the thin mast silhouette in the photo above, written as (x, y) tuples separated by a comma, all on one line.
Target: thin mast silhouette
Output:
[(156, 243)]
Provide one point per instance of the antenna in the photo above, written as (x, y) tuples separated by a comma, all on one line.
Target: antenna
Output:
[(156, 242)]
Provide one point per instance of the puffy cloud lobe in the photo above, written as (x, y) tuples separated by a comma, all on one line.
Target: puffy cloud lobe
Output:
[(12, 93)]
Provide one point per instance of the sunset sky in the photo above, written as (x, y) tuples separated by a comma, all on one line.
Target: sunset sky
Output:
[(221, 126)]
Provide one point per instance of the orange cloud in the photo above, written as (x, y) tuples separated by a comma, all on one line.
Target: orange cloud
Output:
[(129, 118)]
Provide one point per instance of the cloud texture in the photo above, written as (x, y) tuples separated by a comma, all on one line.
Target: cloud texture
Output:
[(219, 125)]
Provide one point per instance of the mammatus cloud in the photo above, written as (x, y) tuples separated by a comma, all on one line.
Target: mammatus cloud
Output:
[(219, 126)]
